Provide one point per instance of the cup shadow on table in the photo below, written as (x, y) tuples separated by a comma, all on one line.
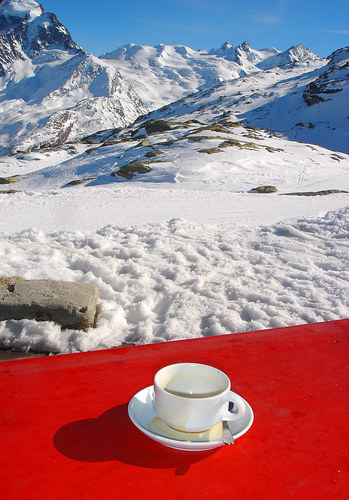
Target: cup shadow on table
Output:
[(112, 436)]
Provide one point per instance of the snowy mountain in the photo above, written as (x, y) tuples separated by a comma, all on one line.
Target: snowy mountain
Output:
[(303, 101), (195, 149), (51, 90), (169, 216), (250, 59), (166, 73), (26, 30), (332, 80), (243, 124), (243, 54)]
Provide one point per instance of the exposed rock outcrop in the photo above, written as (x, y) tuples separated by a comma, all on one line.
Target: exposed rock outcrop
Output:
[(316, 193), (26, 33), (332, 80), (264, 189)]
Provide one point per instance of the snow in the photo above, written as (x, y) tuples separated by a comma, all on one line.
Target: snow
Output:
[(21, 8), (179, 279), (166, 73), (90, 209), (46, 96), (185, 251), (276, 95), (22, 69), (72, 86)]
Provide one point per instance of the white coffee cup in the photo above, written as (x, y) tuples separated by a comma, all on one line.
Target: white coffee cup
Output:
[(192, 397)]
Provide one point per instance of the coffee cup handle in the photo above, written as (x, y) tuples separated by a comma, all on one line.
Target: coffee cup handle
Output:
[(239, 408)]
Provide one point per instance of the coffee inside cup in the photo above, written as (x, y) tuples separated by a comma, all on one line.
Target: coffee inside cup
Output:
[(193, 381)]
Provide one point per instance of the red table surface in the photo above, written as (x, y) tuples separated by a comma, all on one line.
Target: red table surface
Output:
[(65, 431)]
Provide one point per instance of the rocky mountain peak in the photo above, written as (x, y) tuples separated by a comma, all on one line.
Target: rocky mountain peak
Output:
[(41, 68), (299, 53), (26, 29), (226, 46), (244, 46), (339, 58), (242, 54)]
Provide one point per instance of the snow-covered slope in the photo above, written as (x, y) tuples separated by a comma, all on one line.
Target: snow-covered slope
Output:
[(51, 90), (166, 73), (210, 156), (163, 219), (306, 103)]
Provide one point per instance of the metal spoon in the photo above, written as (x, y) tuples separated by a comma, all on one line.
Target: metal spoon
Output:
[(228, 437)]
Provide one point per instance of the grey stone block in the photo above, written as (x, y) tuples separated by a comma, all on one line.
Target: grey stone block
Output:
[(72, 305)]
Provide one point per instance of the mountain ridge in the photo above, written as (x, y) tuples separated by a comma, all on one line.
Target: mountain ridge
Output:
[(177, 70), (52, 91), (49, 85), (277, 99)]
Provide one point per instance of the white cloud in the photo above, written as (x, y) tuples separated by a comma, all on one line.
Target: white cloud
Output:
[(339, 32), (269, 19)]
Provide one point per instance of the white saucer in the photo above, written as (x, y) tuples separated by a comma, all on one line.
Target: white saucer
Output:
[(141, 412)]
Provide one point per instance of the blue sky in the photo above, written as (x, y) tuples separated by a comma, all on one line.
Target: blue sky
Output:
[(321, 25)]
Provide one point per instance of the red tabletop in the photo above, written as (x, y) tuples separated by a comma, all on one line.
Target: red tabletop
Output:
[(65, 431)]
